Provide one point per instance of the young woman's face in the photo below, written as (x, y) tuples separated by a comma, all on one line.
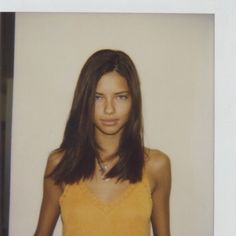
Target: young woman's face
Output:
[(112, 104)]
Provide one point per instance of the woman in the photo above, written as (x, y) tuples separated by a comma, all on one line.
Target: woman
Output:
[(101, 179)]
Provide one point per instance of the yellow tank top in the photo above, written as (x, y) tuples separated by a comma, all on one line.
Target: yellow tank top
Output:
[(83, 214)]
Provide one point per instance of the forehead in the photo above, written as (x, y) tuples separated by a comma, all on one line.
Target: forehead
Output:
[(112, 82)]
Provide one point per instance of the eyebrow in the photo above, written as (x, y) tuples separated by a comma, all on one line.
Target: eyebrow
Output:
[(118, 93)]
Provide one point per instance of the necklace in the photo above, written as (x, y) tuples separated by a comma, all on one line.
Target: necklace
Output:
[(103, 169)]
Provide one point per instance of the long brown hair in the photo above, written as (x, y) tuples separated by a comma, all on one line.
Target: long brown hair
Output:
[(79, 146)]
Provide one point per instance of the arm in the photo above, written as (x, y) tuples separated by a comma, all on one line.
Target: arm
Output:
[(161, 193), (50, 209)]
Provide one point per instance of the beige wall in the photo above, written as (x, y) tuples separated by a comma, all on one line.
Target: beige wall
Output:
[(174, 57)]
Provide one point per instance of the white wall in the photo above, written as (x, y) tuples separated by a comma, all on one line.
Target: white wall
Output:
[(174, 56)]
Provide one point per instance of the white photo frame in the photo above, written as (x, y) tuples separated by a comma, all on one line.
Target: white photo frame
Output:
[(225, 112)]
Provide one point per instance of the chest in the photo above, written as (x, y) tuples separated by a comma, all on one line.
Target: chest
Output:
[(105, 209), (85, 201), (107, 190)]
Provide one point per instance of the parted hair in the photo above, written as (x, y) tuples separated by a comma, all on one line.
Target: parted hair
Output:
[(79, 148)]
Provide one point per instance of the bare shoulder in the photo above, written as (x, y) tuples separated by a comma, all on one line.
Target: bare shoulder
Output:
[(54, 159), (157, 165), (156, 159)]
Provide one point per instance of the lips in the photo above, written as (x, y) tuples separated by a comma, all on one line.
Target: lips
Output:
[(109, 122)]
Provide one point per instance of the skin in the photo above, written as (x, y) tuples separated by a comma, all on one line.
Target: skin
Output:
[(112, 105), (112, 108)]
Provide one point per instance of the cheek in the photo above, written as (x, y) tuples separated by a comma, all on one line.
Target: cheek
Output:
[(97, 113), (98, 108), (125, 110)]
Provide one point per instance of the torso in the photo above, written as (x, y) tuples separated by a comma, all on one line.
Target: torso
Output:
[(105, 208), (88, 205)]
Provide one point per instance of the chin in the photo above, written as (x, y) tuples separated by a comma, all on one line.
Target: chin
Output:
[(110, 131)]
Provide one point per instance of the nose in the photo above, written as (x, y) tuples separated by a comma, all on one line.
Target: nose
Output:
[(109, 107)]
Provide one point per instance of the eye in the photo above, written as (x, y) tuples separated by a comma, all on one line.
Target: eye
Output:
[(122, 97), (98, 97)]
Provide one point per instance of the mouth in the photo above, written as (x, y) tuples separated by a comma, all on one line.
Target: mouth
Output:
[(109, 122)]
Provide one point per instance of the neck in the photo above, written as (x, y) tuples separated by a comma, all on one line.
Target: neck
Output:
[(109, 145)]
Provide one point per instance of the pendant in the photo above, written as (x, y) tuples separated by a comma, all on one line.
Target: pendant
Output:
[(103, 169)]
